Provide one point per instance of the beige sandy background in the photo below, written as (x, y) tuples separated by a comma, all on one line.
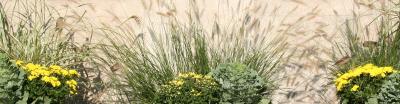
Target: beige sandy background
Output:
[(316, 25)]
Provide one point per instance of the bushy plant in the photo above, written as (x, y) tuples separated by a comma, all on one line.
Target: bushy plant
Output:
[(360, 49), (36, 32), (189, 88), (362, 84), (239, 84), (149, 63), (8, 78), (390, 91), (152, 55), (41, 84)]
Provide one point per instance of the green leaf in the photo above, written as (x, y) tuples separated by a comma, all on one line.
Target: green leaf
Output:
[(21, 74), (239, 83), (26, 96), (10, 84), (24, 99), (265, 101), (47, 100), (372, 100), (345, 101), (21, 102), (34, 102)]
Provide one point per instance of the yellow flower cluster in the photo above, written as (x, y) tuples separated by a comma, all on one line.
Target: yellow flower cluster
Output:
[(178, 82), (195, 93), (200, 81), (368, 70), (355, 88), (72, 85), (198, 77), (19, 62), (52, 80), (193, 75), (49, 74)]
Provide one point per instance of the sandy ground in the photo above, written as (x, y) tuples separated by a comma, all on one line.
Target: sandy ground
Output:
[(316, 28)]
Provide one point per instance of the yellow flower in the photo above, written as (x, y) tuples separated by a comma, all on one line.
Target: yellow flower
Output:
[(207, 77), (355, 88), (183, 75), (73, 92), (45, 74), (341, 84), (29, 67), (52, 80), (197, 94), (40, 72), (191, 73), (73, 73), (197, 76), (31, 77), (55, 67), (177, 82), (64, 72), (19, 63), (368, 69), (72, 84)]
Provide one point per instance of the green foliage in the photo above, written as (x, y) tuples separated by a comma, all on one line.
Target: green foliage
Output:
[(19, 88), (390, 90), (26, 37), (362, 84), (47, 82), (32, 31), (360, 50), (151, 62), (380, 53), (149, 67), (190, 88), (10, 81), (240, 84)]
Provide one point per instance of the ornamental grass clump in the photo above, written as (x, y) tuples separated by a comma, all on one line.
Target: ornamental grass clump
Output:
[(44, 84), (362, 84), (190, 88), (146, 64), (152, 55)]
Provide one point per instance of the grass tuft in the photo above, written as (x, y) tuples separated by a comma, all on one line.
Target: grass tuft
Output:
[(152, 60)]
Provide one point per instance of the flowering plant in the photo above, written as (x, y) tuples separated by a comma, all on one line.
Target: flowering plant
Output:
[(47, 84), (239, 84), (189, 88), (361, 84)]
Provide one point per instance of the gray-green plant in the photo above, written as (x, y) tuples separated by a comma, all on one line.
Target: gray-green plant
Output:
[(239, 84), (390, 90), (10, 81)]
